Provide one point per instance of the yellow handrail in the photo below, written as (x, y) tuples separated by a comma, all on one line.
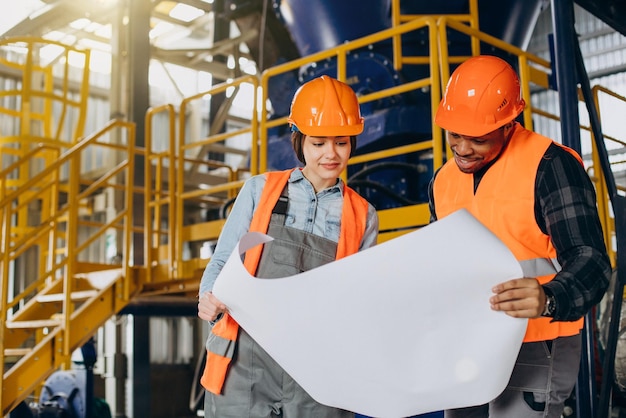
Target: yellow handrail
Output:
[(604, 207), (432, 83), (60, 267), (178, 163)]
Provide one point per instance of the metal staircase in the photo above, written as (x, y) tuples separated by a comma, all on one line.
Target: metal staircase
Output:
[(56, 287), (66, 293), (68, 221)]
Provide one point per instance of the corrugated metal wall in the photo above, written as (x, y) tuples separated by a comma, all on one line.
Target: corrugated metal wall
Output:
[(604, 51)]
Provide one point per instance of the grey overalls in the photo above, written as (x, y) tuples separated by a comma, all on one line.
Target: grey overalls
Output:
[(256, 386)]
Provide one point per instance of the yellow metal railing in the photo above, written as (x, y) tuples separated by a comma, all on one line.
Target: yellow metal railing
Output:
[(158, 200), (38, 108), (397, 18), (181, 167), (430, 84), (47, 306), (37, 95), (340, 53), (535, 70), (607, 217)]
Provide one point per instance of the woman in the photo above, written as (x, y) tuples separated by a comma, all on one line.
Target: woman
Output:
[(314, 219)]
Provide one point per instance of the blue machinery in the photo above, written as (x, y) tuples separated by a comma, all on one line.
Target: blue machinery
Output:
[(68, 393)]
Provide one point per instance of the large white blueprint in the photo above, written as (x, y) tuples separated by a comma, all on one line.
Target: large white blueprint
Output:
[(400, 329)]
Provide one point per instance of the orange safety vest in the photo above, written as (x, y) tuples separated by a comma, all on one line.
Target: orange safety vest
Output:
[(504, 202), (353, 223)]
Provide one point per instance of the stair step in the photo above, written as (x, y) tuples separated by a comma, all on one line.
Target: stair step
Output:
[(36, 323), (16, 352), (75, 296)]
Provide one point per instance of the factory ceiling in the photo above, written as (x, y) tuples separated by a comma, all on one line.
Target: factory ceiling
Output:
[(181, 32)]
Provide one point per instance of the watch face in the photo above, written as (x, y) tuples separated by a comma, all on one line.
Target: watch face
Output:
[(550, 305)]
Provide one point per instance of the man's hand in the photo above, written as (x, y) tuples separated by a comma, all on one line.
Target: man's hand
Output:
[(519, 298)]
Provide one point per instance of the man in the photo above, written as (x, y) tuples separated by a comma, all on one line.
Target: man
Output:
[(535, 195)]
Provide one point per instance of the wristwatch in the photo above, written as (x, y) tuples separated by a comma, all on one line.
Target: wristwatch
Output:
[(550, 306)]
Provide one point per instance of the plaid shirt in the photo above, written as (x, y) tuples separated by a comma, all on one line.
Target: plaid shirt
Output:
[(565, 209)]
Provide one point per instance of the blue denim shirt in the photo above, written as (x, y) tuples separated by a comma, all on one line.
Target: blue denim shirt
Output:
[(316, 213)]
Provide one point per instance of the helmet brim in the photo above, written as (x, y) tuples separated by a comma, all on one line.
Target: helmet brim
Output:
[(346, 130)]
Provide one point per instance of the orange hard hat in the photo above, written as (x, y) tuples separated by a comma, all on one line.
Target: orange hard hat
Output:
[(326, 107), (482, 95)]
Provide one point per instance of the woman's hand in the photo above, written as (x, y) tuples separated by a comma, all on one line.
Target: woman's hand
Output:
[(209, 307)]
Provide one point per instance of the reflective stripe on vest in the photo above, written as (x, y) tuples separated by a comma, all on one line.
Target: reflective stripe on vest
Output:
[(504, 202), (224, 332), (539, 267)]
